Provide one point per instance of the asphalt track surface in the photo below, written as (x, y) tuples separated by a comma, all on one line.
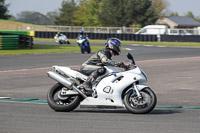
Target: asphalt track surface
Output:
[(173, 73)]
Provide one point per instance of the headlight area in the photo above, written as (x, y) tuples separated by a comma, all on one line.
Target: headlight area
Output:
[(143, 74)]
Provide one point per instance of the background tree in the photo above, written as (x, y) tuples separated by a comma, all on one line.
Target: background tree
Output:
[(190, 14), (93, 12), (174, 14), (4, 10), (100, 13), (67, 11), (160, 7), (112, 13), (87, 13), (51, 16), (143, 13), (81, 13), (126, 13), (33, 18), (198, 18)]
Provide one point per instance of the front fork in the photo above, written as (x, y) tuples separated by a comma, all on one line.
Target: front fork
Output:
[(137, 91)]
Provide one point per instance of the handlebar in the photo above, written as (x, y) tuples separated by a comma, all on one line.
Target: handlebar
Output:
[(128, 67)]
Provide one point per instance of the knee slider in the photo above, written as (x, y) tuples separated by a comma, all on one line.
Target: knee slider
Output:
[(101, 71)]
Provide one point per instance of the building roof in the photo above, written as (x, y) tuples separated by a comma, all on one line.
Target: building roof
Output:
[(184, 21)]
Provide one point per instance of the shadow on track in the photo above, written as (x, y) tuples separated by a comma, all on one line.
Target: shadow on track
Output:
[(123, 111)]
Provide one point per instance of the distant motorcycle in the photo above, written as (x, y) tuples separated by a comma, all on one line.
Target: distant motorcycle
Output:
[(61, 39), (84, 44)]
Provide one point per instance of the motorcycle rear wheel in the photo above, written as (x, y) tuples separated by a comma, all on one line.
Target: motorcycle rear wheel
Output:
[(143, 106), (66, 104)]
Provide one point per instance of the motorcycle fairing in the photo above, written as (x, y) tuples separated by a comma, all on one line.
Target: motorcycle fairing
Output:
[(69, 72), (110, 88)]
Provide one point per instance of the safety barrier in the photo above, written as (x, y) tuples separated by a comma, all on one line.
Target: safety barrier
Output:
[(16, 39), (25, 41), (180, 38), (28, 33), (9, 41), (99, 36), (124, 37)]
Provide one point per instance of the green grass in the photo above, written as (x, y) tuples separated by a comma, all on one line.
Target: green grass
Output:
[(44, 49), (14, 25)]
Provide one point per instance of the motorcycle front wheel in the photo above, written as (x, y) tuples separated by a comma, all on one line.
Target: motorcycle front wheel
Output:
[(82, 49), (88, 48), (60, 42), (68, 42), (140, 106), (59, 103)]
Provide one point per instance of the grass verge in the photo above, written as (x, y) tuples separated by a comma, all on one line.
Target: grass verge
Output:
[(14, 25), (44, 49)]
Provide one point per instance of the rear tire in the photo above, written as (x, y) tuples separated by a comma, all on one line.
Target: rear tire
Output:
[(143, 106), (67, 104)]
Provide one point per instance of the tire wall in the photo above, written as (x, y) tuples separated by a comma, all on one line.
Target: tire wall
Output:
[(99, 36), (124, 37)]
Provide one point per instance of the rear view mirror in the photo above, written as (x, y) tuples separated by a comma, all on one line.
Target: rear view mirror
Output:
[(129, 56)]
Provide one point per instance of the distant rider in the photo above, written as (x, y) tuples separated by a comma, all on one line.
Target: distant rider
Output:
[(58, 34), (82, 35), (56, 37)]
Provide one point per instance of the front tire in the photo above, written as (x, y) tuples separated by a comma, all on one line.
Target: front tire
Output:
[(82, 49), (140, 106), (60, 42), (89, 49), (68, 42), (67, 104)]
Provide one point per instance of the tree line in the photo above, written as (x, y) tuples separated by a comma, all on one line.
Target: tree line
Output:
[(129, 13), (109, 12)]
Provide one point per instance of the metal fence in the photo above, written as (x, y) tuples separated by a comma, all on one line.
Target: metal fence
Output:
[(89, 29), (71, 29), (110, 30)]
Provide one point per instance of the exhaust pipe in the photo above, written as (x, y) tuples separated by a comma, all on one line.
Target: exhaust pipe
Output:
[(64, 81)]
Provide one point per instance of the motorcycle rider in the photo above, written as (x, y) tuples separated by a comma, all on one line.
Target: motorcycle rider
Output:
[(56, 37), (64, 38), (94, 66), (58, 34), (82, 35)]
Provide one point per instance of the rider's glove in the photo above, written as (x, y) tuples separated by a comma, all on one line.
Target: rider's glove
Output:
[(120, 64)]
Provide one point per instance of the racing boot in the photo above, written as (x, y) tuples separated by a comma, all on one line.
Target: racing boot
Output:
[(87, 85)]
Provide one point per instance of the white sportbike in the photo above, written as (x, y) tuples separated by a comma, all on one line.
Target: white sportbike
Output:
[(115, 88)]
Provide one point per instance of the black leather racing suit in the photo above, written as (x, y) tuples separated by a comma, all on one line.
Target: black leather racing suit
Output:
[(97, 61), (94, 67)]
